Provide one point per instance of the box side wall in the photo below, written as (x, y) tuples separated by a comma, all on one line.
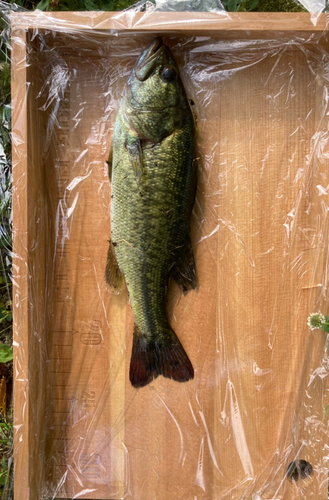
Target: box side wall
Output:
[(233, 25), (32, 248), (29, 229), (20, 275), (37, 207)]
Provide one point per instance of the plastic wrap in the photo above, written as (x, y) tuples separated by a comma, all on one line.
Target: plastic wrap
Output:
[(258, 87)]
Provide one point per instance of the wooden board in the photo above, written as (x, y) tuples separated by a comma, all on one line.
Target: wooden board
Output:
[(259, 232)]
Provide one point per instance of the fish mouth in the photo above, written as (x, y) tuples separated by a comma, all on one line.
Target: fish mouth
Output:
[(147, 61), (154, 46)]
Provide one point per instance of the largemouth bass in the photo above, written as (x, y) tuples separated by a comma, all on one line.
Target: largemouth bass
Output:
[(153, 173)]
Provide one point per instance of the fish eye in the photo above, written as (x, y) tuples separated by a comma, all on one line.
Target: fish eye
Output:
[(167, 74)]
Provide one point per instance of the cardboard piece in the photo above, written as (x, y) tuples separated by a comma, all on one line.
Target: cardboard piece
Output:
[(259, 233)]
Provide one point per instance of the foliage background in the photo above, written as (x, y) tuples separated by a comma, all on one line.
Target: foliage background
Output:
[(6, 373)]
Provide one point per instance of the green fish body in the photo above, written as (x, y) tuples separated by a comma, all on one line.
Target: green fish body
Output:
[(153, 176)]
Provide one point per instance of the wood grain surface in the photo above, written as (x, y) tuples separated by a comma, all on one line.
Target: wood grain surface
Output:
[(259, 233)]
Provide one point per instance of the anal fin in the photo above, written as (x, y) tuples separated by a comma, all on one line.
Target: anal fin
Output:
[(109, 163), (114, 278), (183, 270)]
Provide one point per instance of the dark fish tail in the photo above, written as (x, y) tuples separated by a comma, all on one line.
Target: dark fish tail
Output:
[(165, 356)]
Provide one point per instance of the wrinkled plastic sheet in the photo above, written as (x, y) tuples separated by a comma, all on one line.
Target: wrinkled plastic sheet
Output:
[(259, 231)]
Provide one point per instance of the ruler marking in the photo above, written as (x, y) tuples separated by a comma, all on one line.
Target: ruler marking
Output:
[(60, 341), (60, 385), (65, 399), (54, 398), (61, 345), (62, 331), (58, 358)]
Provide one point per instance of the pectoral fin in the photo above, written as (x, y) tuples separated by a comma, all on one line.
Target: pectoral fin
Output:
[(135, 152), (109, 163), (114, 278), (183, 270)]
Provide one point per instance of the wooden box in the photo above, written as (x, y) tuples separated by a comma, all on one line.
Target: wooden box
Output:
[(260, 236)]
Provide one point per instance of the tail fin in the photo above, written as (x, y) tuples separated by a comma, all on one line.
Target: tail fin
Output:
[(167, 358)]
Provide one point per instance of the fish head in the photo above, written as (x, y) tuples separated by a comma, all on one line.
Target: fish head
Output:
[(155, 84)]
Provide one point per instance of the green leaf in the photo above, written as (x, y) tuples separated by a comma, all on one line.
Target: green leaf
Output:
[(232, 5), (72, 5), (4, 463), (90, 5), (6, 353), (325, 327), (107, 5), (3, 314), (325, 411), (2, 480), (43, 5), (252, 4)]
